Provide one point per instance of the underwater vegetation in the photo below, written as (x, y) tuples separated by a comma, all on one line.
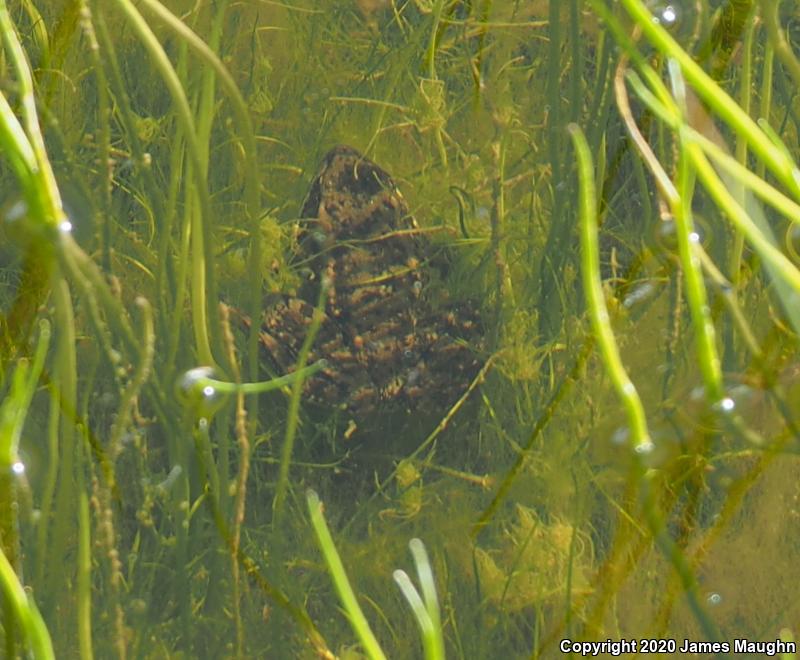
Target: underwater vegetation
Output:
[(519, 366)]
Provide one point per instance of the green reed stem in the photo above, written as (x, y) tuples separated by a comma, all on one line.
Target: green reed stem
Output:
[(293, 415), (48, 492), (84, 580), (745, 101), (14, 408), (767, 81), (777, 38), (726, 162), (178, 170), (555, 252), (262, 386), (13, 413), (66, 384), (162, 210), (595, 300), (766, 249), (427, 631), (202, 258), (39, 184), (760, 187), (625, 389), (696, 294), (752, 225), (25, 612), (336, 570), (425, 608), (105, 175), (251, 191), (15, 143), (717, 99)]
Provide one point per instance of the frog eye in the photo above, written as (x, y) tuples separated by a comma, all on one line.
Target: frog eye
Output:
[(408, 355)]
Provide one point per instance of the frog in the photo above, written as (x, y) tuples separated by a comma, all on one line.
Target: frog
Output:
[(392, 343)]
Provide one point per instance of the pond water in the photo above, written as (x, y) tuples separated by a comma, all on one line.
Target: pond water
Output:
[(272, 254)]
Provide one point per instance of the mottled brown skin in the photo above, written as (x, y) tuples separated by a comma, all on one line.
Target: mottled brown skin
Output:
[(389, 347)]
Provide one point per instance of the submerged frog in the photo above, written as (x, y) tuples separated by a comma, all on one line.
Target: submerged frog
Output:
[(389, 346)]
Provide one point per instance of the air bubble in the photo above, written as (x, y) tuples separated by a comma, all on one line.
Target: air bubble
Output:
[(620, 436), (727, 404), (16, 212), (639, 294), (196, 393), (669, 16), (666, 234), (666, 14)]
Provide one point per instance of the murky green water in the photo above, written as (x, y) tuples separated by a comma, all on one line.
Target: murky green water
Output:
[(152, 514)]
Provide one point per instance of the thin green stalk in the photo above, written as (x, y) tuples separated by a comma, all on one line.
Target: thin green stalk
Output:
[(25, 612), (178, 171), (779, 266), (14, 408), (767, 81), (66, 380), (696, 294), (778, 40), (43, 544), (752, 225), (251, 191), (198, 383), (15, 144), (717, 99), (105, 174), (595, 299), (637, 422), (162, 210), (424, 622), (730, 165), (555, 252), (203, 258), (435, 98), (293, 415), (206, 110), (760, 187), (336, 570), (745, 98), (426, 608), (13, 413), (41, 191), (84, 581)]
